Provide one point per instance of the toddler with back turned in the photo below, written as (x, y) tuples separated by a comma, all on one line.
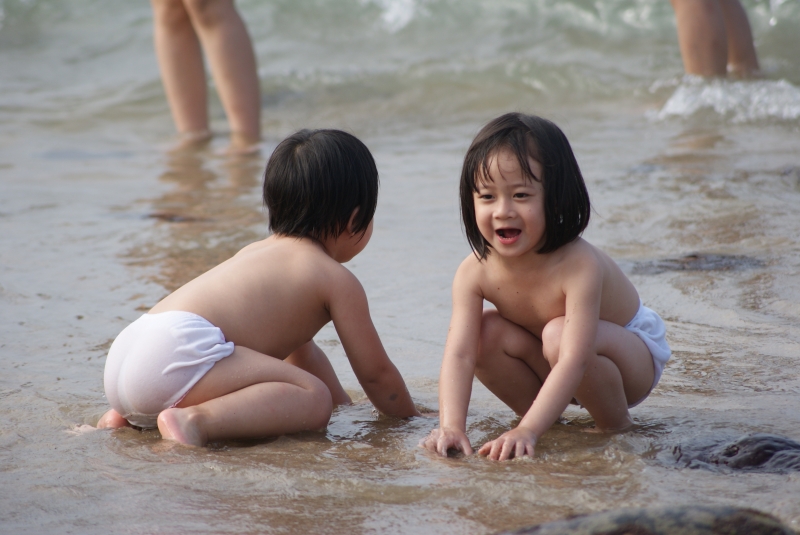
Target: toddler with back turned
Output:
[(230, 354)]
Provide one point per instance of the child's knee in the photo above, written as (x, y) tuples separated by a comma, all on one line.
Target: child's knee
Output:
[(321, 404), (551, 339), (304, 355), (491, 334), (491, 327)]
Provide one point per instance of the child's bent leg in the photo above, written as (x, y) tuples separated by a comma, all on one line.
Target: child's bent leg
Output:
[(510, 362), (112, 420), (602, 394), (311, 358), (248, 395), (618, 374), (181, 63)]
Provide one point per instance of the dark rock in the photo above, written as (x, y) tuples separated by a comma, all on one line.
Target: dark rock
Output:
[(760, 452), (697, 262), (679, 520), (176, 218)]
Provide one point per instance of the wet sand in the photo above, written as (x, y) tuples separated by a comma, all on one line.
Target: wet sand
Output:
[(86, 261), (99, 220)]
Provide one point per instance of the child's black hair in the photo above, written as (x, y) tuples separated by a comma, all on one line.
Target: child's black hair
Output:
[(566, 201), (313, 182)]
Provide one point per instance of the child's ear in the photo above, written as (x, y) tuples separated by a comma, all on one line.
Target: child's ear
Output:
[(351, 225)]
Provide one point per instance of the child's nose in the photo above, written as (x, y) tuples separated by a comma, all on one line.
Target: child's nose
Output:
[(505, 208)]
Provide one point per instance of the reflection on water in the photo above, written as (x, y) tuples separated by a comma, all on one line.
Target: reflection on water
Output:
[(209, 213)]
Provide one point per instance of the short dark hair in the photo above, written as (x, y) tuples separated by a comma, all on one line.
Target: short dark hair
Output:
[(315, 179), (566, 201)]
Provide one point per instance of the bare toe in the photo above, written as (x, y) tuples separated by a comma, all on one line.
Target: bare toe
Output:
[(112, 420), (176, 424)]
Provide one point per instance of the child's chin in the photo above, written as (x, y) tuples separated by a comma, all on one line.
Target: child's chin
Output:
[(509, 249)]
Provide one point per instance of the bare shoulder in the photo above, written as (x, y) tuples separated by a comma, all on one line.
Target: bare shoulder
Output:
[(588, 267), (288, 263), (470, 273), (339, 279), (290, 252), (582, 260), (255, 246), (599, 260), (330, 280)]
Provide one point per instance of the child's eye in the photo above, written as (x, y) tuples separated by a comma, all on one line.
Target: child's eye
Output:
[(521, 195), (486, 196)]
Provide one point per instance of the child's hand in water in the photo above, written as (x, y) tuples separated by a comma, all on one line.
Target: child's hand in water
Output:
[(515, 443), (441, 440)]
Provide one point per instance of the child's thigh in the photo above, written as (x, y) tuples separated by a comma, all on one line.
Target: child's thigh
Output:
[(245, 367), (631, 356)]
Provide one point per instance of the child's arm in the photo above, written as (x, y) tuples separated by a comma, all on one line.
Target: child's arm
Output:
[(458, 365), (380, 379), (582, 290)]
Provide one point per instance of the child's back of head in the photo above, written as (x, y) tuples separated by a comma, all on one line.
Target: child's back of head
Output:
[(315, 180)]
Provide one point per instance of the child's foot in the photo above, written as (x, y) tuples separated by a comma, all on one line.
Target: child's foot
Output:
[(604, 430), (112, 420), (178, 425)]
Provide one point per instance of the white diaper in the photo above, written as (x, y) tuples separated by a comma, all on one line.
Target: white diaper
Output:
[(156, 360), (649, 326)]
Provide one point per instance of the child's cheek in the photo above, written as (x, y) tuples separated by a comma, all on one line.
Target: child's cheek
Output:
[(484, 227)]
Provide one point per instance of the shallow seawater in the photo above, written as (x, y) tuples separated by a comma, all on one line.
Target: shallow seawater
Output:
[(100, 218)]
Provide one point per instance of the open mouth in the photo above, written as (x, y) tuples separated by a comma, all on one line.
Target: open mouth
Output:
[(508, 235)]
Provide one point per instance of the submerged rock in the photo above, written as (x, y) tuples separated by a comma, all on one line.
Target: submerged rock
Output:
[(759, 452), (170, 217), (697, 262), (681, 520)]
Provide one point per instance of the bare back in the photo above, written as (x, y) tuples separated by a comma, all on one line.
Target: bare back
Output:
[(272, 296)]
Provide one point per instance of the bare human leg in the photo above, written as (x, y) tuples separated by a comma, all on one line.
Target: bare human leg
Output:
[(513, 364), (742, 59), (182, 73), (312, 359), (248, 395), (510, 362), (702, 37), (229, 50), (618, 374)]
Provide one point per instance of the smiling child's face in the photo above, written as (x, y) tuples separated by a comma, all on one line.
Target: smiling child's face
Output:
[(509, 208)]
